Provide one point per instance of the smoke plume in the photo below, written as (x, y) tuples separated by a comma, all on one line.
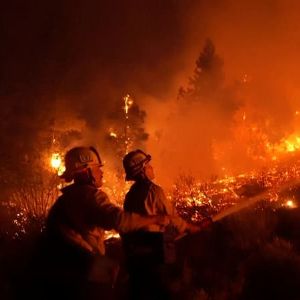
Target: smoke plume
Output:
[(66, 65)]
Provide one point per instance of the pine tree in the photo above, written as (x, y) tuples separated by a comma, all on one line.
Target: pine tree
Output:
[(208, 73), (207, 82)]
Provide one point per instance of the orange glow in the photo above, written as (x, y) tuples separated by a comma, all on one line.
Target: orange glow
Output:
[(57, 164), (290, 204), (55, 160), (290, 144), (127, 103), (113, 134), (244, 116), (111, 235)]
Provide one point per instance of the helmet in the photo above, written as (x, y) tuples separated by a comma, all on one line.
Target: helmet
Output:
[(78, 159), (134, 163)]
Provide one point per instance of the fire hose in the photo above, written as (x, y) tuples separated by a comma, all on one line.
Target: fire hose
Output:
[(206, 222)]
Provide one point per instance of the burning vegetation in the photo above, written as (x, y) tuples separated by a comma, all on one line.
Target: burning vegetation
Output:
[(275, 163), (236, 144), (274, 187)]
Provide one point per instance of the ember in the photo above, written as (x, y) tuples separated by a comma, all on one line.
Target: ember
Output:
[(195, 200)]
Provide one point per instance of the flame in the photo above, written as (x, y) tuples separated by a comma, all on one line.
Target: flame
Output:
[(253, 143), (290, 144), (290, 204), (57, 164), (257, 145), (113, 134), (56, 160), (127, 103), (195, 199), (111, 235), (216, 195), (244, 116)]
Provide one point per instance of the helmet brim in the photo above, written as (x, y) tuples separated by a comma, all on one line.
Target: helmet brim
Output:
[(131, 176), (68, 175)]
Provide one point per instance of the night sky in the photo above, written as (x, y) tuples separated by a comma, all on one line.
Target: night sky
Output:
[(86, 54), (64, 48), (65, 65)]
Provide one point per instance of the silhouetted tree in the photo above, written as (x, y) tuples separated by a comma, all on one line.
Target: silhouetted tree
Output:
[(125, 134), (206, 85)]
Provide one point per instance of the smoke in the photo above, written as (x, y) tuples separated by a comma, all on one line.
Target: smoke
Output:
[(66, 65), (257, 42)]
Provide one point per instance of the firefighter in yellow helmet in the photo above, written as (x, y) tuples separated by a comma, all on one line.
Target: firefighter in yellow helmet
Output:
[(78, 219), (148, 199)]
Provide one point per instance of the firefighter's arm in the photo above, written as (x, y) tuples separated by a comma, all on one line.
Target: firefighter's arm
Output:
[(131, 221), (112, 217), (165, 207), (182, 226)]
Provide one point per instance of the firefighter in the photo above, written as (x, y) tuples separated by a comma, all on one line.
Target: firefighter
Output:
[(149, 249), (76, 223)]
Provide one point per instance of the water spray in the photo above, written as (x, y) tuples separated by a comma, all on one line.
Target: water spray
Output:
[(236, 208), (251, 201)]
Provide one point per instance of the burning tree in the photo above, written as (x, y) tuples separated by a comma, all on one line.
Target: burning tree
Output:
[(125, 132), (31, 178), (127, 127), (28, 204)]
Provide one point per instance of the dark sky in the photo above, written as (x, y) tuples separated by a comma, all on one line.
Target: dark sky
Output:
[(65, 64), (62, 47)]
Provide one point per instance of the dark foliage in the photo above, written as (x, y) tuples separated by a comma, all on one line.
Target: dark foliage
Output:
[(250, 255)]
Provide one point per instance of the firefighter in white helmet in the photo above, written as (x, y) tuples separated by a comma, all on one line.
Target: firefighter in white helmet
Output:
[(77, 220), (148, 199)]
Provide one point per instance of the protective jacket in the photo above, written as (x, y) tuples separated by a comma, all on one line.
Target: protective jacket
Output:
[(81, 215), (147, 199), (148, 251)]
